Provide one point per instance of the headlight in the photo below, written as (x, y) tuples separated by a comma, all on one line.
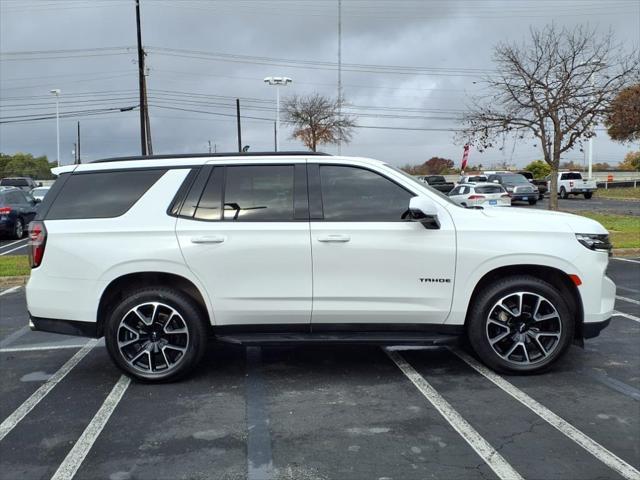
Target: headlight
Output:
[(595, 241)]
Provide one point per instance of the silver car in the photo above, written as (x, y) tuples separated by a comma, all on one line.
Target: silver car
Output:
[(480, 195)]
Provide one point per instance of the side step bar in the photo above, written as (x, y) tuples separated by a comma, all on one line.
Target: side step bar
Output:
[(362, 338)]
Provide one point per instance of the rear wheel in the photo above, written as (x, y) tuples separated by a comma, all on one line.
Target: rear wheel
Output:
[(521, 324), (156, 334), (563, 193), (588, 195), (18, 229)]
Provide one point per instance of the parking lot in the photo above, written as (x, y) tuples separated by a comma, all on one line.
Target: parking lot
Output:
[(358, 412)]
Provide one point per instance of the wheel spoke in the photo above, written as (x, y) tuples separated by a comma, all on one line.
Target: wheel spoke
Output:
[(549, 316), (540, 346), (497, 323), (511, 350), (526, 352), (144, 319), (144, 351), (175, 347), (495, 340)]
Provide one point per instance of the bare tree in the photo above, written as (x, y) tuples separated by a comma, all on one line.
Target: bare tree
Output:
[(317, 120), (554, 88)]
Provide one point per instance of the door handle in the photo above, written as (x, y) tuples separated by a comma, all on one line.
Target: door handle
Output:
[(334, 239), (208, 239)]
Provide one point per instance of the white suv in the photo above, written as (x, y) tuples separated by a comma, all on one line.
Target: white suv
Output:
[(157, 254)]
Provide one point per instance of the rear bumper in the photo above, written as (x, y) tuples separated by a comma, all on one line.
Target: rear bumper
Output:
[(65, 327), (592, 330)]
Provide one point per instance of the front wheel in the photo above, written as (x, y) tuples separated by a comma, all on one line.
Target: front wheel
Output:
[(156, 334), (563, 193), (18, 229), (588, 195), (520, 324)]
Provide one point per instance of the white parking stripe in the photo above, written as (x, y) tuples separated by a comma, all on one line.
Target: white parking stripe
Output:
[(489, 454), (25, 240), (626, 299), (594, 448), (38, 348), (625, 259), (625, 315), (12, 420), (13, 250), (10, 290), (76, 456)]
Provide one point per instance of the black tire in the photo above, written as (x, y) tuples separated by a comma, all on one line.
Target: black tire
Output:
[(18, 229), (533, 201), (563, 193), (588, 195), (171, 302), (479, 326)]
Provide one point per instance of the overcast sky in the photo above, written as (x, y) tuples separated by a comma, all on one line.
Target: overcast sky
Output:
[(417, 59)]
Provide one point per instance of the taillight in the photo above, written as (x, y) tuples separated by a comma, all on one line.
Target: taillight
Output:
[(5, 210), (475, 197), (37, 242)]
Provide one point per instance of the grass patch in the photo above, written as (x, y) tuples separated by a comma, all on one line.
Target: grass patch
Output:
[(624, 229), (619, 193), (14, 266)]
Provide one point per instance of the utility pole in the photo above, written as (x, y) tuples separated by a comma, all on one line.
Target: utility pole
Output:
[(75, 153), (141, 85), (78, 146), (239, 126), (275, 136), (339, 69), (209, 147), (147, 123)]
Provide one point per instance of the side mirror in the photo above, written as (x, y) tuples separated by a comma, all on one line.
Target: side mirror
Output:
[(39, 184), (423, 210), (36, 200)]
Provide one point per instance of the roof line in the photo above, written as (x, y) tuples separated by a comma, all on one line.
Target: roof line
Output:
[(206, 155)]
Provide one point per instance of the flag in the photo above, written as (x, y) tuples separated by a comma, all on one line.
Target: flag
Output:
[(465, 157)]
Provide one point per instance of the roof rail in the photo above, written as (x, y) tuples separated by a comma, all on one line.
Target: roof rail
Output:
[(205, 155)]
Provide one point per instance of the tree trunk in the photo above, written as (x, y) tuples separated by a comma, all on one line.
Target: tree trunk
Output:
[(553, 186)]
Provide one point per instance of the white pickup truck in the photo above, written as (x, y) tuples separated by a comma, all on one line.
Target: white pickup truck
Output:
[(572, 183)]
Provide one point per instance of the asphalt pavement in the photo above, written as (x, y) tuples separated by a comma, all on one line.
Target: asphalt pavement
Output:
[(348, 412)]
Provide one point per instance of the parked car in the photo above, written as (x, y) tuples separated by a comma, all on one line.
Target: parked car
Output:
[(572, 183), (439, 183), (541, 184), (480, 195), (23, 183), (17, 209), (163, 252), (472, 179), (39, 193), (518, 187)]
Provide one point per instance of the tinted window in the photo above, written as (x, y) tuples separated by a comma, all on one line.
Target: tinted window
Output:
[(14, 198), (14, 182), (101, 195), (356, 195), (455, 191), (210, 206), (259, 193), (490, 189), (514, 179), (571, 176)]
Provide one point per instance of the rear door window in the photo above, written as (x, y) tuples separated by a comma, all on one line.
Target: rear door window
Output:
[(489, 189), (101, 194)]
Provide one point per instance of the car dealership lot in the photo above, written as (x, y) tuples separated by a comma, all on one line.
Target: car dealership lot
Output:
[(321, 412)]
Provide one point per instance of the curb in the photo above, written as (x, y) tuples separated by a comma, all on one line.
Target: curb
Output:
[(13, 281), (626, 252)]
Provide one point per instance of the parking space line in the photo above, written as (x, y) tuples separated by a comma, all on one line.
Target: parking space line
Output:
[(78, 453), (632, 290), (489, 454), (12, 420), (9, 339), (13, 250), (35, 348), (626, 315), (594, 448), (625, 259), (615, 384), (13, 243), (10, 290), (630, 300), (259, 457)]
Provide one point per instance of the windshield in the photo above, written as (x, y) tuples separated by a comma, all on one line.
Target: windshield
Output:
[(423, 185), (515, 178)]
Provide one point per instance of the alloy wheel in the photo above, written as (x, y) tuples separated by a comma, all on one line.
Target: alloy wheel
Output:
[(523, 328), (153, 338)]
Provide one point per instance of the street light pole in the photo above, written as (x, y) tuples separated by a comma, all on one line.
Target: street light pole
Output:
[(277, 81), (56, 92)]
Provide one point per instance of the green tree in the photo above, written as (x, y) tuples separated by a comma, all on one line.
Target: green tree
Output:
[(539, 168), (25, 165), (631, 162)]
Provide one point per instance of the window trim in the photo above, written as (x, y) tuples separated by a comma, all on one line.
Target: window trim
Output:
[(320, 201)]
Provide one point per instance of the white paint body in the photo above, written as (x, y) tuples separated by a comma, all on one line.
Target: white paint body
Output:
[(575, 185), (471, 194), (281, 272)]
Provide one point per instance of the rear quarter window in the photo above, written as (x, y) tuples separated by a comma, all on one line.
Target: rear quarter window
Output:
[(102, 194)]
